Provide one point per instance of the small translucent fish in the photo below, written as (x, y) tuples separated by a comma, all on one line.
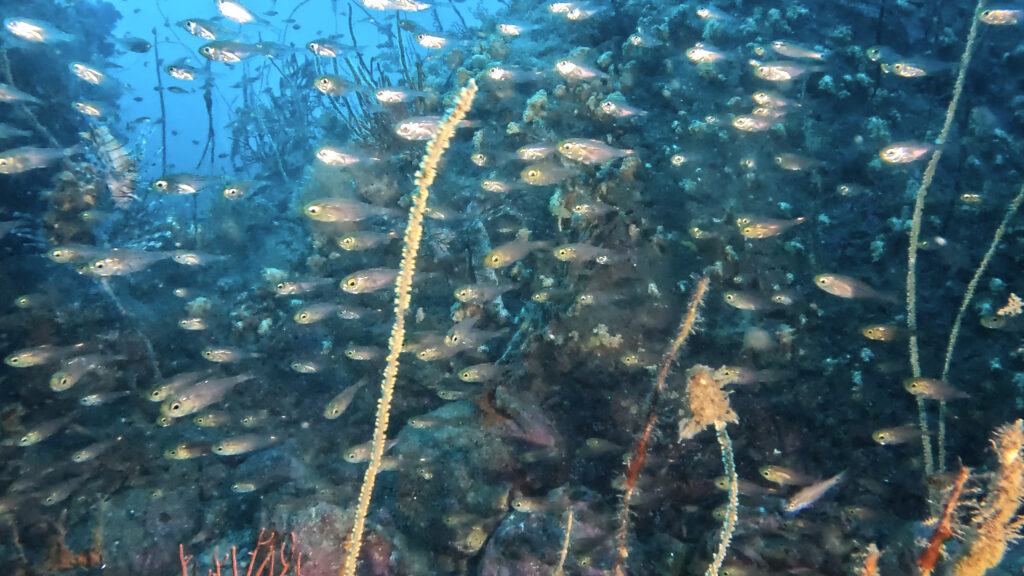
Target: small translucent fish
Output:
[(793, 50), (369, 280), (205, 29), (768, 227), (242, 188), (618, 108), (796, 162), (245, 487), (589, 151), (584, 253), (186, 451), (306, 366), (905, 152), (301, 287), (481, 293), (101, 398), (44, 430), (181, 71), (344, 210), (90, 108), (315, 313), (846, 287), (200, 395), (175, 384), (701, 53), (481, 372), (915, 67), (254, 419), (404, 5), (808, 496), (882, 54), (73, 252), (36, 30), (337, 406), (513, 30), (364, 353), (397, 95), (365, 240), (546, 174), (361, 452), (512, 252), (752, 123), (235, 11), (785, 297), (335, 157), (773, 100), (88, 73), (190, 258), (324, 47), (784, 476), (242, 444), (898, 435), (1003, 323), (465, 334), (511, 74), (430, 41), (231, 52), (93, 450), (38, 355), (182, 183), (121, 262), (26, 158), (712, 13), (575, 71), (744, 300), (933, 389), (9, 94), (644, 38), (884, 332), (211, 419), (1001, 16), (74, 368), (31, 301), (847, 189), (418, 128), (783, 71), (56, 494), (225, 354)]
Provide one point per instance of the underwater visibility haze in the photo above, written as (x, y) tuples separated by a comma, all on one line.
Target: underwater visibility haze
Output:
[(511, 288)]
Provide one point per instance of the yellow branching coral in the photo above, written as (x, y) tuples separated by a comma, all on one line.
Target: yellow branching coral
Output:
[(1000, 520), (403, 290)]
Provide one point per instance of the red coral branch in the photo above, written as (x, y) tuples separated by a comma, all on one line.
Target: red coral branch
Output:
[(944, 529)]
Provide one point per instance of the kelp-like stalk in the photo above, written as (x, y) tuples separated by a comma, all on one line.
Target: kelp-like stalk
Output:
[(163, 110), (915, 236), (403, 294), (636, 463)]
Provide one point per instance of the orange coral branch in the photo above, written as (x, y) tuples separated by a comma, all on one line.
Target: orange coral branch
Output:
[(636, 463), (944, 529), (870, 565)]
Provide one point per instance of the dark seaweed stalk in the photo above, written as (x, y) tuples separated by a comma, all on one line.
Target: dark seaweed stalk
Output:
[(163, 110), (211, 137)]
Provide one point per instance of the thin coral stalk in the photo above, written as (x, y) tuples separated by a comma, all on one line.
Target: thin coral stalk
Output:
[(636, 463), (732, 511), (915, 235), (403, 294)]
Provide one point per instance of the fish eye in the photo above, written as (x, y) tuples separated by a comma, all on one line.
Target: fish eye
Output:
[(747, 230), (207, 50), (533, 173), (176, 407), (304, 316), (351, 283), (160, 184), (207, 353), (313, 209), (824, 281), (98, 265), (495, 259)]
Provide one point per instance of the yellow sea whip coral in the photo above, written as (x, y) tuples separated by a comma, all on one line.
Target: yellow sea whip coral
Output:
[(1000, 519), (403, 290), (709, 406), (915, 236)]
